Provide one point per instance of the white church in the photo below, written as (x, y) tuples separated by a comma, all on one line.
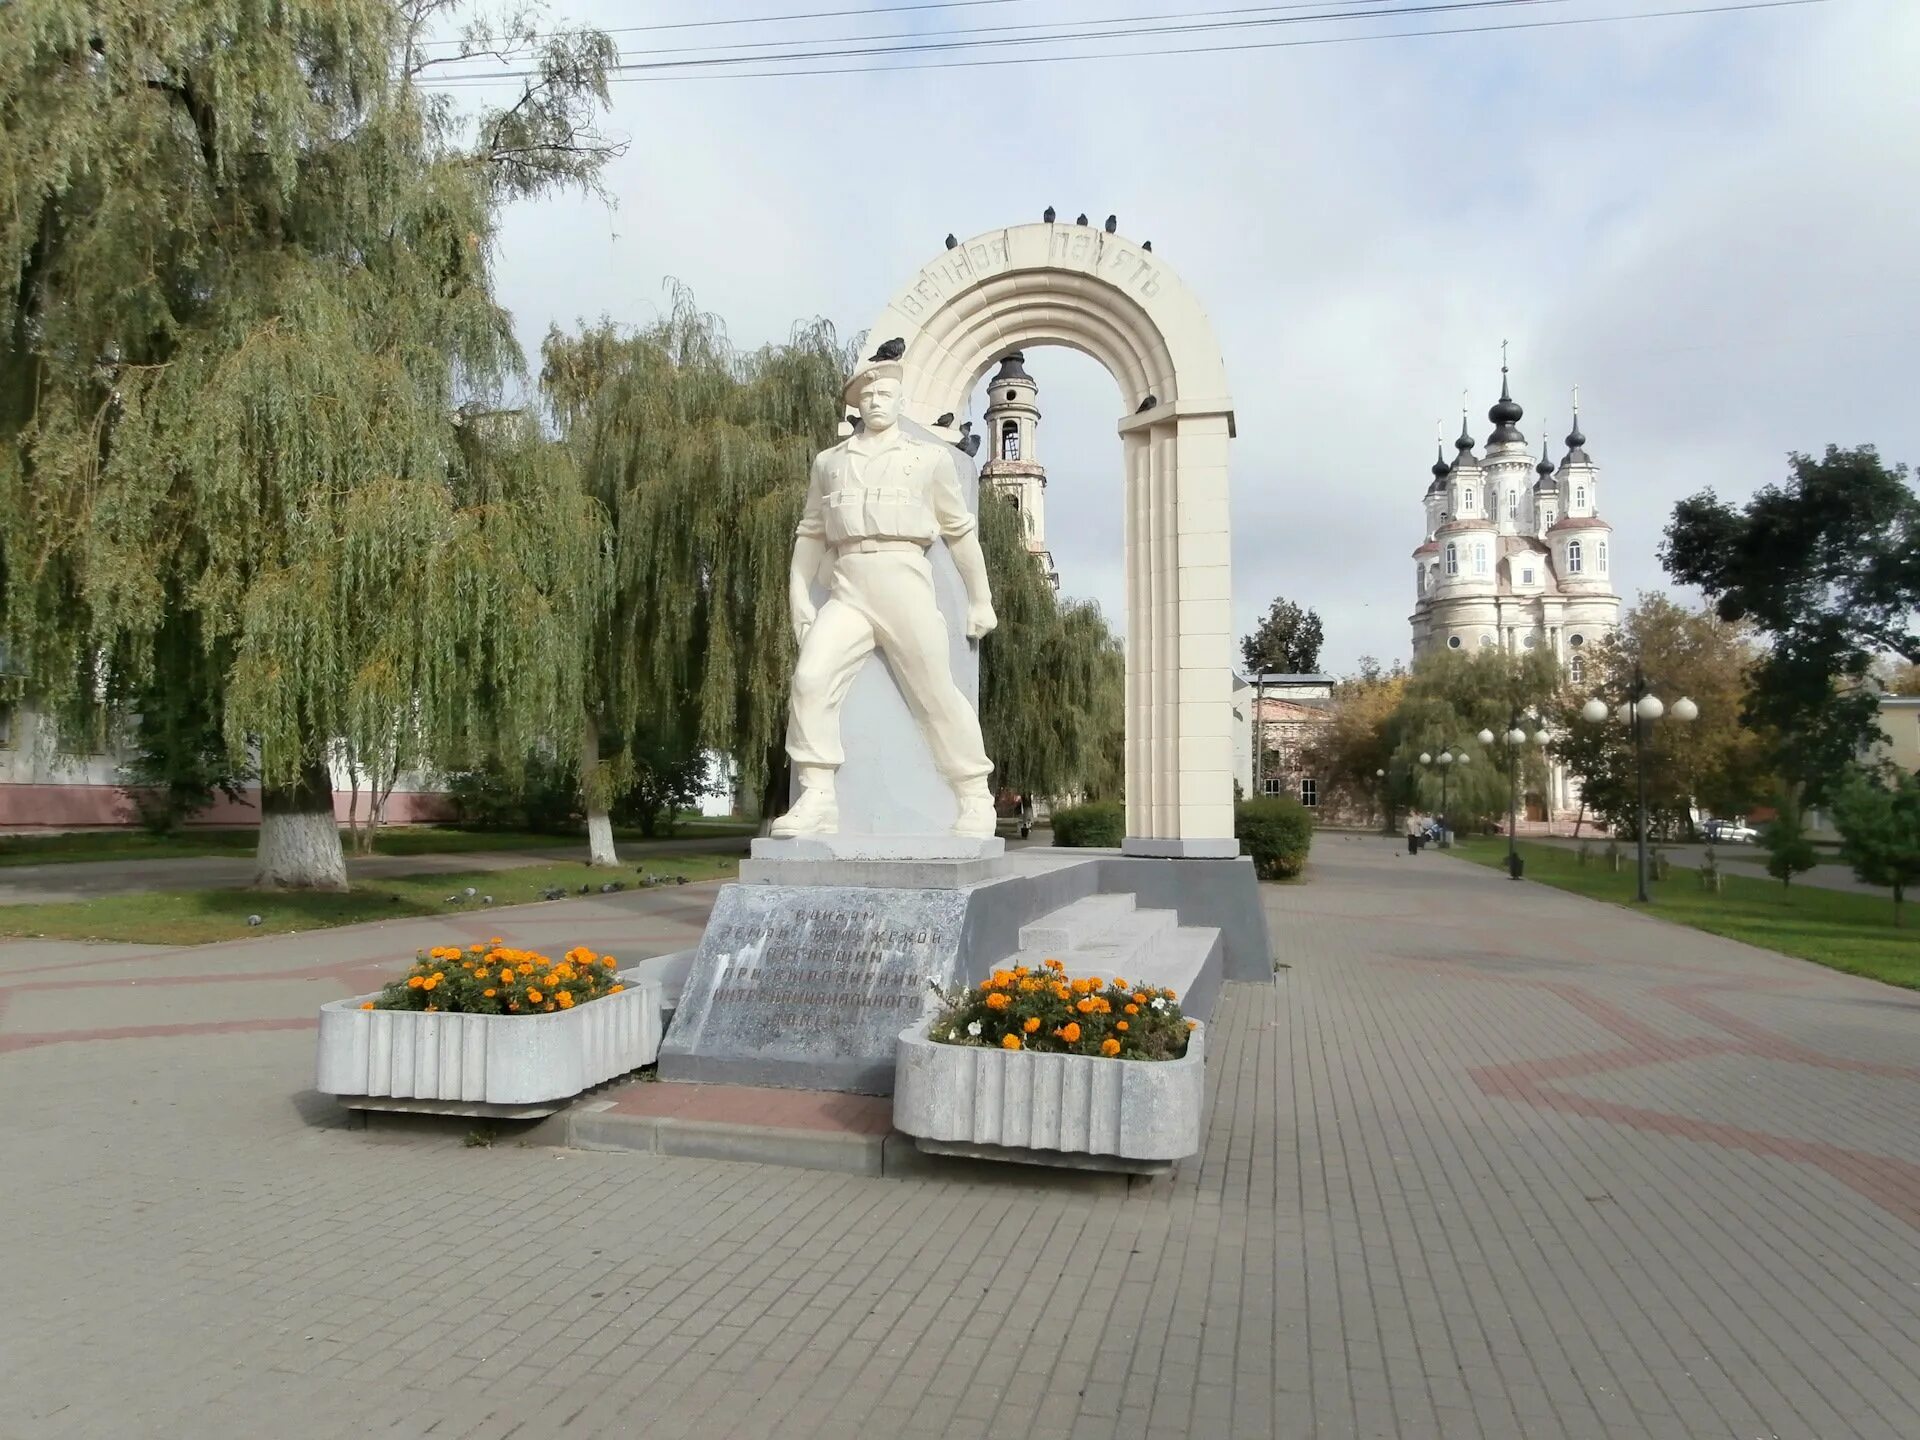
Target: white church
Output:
[(1514, 554), (1514, 551)]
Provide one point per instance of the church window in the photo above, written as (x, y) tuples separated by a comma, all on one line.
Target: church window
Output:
[(1513, 504), (1576, 670), (1309, 793), (1546, 519), (1467, 503), (1453, 642), (1012, 395), (1480, 558), (1271, 785), (1009, 441), (1603, 557), (1580, 498), (1486, 642), (1531, 641), (1526, 576), (1573, 557), (1453, 558), (1576, 640)]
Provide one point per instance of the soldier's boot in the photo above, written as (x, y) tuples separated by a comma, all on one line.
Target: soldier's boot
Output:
[(976, 817), (817, 811)]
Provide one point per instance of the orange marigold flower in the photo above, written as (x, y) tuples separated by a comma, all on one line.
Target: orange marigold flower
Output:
[(1061, 991), (488, 993), (496, 940), (1053, 964), (565, 997), (534, 996), (506, 977), (476, 948), (1193, 1024), (616, 990), (1120, 1025), (367, 1006), (1069, 1032), (1133, 1009), (1009, 1042), (1118, 983), (1033, 1024), (514, 1006), (607, 960), (1169, 994), (414, 982), (1085, 1006), (999, 1000), (1139, 997), (430, 984), (1109, 1046)]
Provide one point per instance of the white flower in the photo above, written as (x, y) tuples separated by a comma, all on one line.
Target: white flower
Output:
[(1159, 1003), (974, 1028)]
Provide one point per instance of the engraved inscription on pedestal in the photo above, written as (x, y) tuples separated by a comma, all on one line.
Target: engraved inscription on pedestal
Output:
[(809, 986)]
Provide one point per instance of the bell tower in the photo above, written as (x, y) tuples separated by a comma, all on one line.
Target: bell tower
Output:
[(1013, 465)]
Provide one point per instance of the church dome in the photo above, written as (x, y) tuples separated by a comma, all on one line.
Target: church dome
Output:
[(1505, 415), (1012, 367), (1576, 446), (1546, 483), (1440, 466)]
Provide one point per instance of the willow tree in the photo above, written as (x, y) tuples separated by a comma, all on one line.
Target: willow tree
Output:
[(698, 455), (248, 342), (1052, 676)]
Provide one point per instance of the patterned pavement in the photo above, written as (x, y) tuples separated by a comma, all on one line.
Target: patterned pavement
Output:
[(1484, 1160)]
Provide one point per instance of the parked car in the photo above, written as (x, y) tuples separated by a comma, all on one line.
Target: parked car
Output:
[(1730, 832)]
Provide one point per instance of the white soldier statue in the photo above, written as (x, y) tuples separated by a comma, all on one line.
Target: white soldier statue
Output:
[(876, 503)]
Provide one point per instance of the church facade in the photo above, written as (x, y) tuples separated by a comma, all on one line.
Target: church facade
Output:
[(1514, 556)]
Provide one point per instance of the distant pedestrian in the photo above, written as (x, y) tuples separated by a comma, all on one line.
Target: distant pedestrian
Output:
[(1413, 832)]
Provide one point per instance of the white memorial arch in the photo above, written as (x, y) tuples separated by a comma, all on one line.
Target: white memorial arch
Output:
[(1072, 285)]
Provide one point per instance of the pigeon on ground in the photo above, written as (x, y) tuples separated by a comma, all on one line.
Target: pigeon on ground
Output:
[(552, 892), (1147, 404), (944, 421), (679, 879), (471, 892), (486, 899), (1113, 223), (1047, 215), (453, 899), (253, 920), (952, 243)]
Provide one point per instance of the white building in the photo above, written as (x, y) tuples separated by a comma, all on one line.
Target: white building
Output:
[(1013, 465), (1514, 554), (1513, 551)]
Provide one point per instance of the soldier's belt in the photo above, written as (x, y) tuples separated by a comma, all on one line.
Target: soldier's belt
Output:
[(876, 547)]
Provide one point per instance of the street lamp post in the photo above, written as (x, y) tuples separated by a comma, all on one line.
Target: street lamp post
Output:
[(1515, 738), (1445, 760), (1643, 707)]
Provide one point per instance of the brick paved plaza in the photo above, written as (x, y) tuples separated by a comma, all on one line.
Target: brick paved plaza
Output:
[(1486, 1160)]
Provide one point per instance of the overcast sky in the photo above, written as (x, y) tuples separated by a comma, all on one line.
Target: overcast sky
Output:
[(1710, 224)]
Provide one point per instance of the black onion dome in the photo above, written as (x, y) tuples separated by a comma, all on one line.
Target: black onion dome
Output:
[(1440, 467), (1465, 443), (1576, 445), (1012, 367), (1545, 471), (1505, 415)]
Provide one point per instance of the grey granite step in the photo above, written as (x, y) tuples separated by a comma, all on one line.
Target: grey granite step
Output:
[(1073, 926)]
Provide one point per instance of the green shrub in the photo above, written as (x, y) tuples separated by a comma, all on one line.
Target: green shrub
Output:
[(1099, 824), (1277, 832)]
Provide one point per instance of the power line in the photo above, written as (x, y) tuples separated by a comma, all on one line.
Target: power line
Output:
[(765, 19), (628, 69), (513, 53), (698, 70)]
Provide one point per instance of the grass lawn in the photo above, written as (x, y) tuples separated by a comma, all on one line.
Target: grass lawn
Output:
[(75, 847), (199, 917), (1847, 931)]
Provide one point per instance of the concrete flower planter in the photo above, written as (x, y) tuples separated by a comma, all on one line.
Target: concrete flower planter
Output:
[(1075, 1110), (520, 1065)]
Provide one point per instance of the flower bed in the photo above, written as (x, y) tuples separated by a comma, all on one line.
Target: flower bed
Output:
[(471, 1031), (1044, 1011), (1035, 1067)]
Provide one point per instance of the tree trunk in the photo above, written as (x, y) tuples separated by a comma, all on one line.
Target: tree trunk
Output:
[(299, 838), (593, 787)]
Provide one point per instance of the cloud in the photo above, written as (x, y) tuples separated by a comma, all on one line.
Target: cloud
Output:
[(1706, 223)]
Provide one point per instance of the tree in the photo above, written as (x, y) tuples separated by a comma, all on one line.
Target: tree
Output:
[(1789, 851), (180, 761), (1902, 678), (667, 777), (1827, 568), (1449, 699), (1356, 743), (697, 454), (1286, 643), (1716, 761), (1053, 676), (1879, 822), (248, 353)]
